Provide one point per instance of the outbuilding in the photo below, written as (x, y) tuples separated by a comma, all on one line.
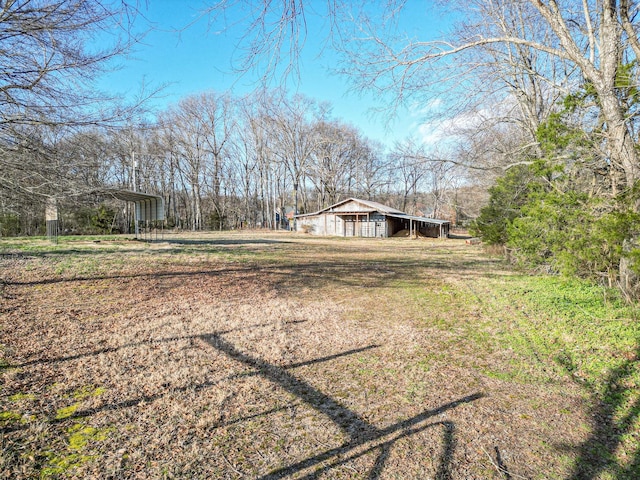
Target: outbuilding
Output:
[(354, 217)]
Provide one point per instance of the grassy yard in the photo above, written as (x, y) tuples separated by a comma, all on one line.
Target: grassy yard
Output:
[(264, 355)]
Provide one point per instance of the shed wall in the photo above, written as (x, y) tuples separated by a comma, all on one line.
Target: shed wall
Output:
[(328, 224), (352, 207), (375, 225)]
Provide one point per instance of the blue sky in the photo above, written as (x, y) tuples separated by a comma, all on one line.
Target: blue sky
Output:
[(189, 54)]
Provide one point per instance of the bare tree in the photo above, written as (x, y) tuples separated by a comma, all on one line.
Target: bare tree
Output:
[(274, 33), (187, 133), (196, 133), (217, 115), (334, 164), (248, 159), (587, 41), (48, 65), (408, 159), (539, 48), (291, 124), (374, 170), (49, 61)]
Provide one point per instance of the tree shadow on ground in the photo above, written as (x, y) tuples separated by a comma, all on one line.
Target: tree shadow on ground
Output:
[(364, 438), (132, 402), (459, 236), (227, 241), (289, 277), (221, 272), (92, 353), (614, 413)]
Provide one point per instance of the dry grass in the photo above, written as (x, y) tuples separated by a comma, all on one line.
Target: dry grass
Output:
[(271, 356)]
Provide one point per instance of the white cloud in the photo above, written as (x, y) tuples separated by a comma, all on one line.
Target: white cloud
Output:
[(432, 107), (436, 132)]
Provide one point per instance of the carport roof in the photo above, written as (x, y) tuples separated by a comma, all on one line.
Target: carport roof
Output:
[(435, 221), (147, 206), (130, 196)]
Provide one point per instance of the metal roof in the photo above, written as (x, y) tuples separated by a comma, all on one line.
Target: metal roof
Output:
[(130, 196), (376, 207), (435, 221), (148, 207)]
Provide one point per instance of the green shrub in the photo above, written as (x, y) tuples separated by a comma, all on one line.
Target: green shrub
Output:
[(9, 225), (573, 234), (507, 197)]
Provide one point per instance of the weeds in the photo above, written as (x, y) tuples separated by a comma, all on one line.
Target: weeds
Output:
[(582, 328)]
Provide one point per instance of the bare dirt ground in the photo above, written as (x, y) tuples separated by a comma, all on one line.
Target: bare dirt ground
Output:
[(271, 356)]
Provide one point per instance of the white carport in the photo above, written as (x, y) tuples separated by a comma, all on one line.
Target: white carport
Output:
[(148, 211)]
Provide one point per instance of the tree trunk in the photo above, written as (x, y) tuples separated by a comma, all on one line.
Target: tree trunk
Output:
[(623, 155)]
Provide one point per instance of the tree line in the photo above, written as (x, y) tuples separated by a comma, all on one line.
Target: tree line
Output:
[(224, 162)]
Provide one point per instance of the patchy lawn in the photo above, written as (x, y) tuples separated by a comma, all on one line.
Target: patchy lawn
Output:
[(286, 356)]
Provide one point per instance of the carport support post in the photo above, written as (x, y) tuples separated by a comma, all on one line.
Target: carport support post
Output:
[(136, 205), (295, 208), (51, 219), (147, 215), (134, 167)]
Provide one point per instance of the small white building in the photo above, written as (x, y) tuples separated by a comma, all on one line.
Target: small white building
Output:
[(354, 217)]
